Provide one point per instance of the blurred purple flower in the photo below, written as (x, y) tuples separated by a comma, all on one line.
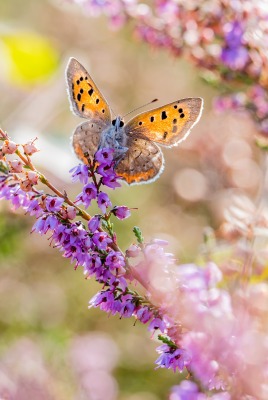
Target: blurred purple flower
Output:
[(103, 202), (89, 193), (104, 157), (173, 358), (121, 212), (101, 240), (157, 323), (54, 203), (81, 173), (94, 223), (111, 180)]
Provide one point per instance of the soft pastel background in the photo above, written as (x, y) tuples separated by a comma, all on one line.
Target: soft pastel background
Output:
[(52, 346)]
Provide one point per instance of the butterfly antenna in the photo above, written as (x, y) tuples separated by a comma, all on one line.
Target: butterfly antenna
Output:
[(144, 105)]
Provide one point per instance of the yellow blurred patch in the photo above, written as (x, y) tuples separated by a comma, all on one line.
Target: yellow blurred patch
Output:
[(29, 58)]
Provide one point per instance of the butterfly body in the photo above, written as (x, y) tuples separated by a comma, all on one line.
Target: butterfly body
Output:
[(138, 158), (114, 137)]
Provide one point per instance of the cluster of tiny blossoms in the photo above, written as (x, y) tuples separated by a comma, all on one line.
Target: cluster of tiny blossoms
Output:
[(90, 242), (226, 39), (214, 331)]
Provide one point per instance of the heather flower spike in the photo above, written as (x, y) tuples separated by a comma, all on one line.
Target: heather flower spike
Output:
[(187, 303)]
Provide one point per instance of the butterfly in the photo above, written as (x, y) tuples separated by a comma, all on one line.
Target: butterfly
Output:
[(137, 156)]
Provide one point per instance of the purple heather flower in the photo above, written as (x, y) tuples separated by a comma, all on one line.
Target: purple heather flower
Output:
[(39, 225), (94, 223), (81, 173), (101, 240), (143, 314), (103, 202), (235, 58), (128, 306), (89, 193), (92, 264), (105, 300), (157, 323), (121, 212), (51, 222), (187, 390), (115, 260), (105, 169), (233, 34), (172, 358), (75, 232), (234, 55), (104, 156), (111, 181), (34, 208), (54, 203)]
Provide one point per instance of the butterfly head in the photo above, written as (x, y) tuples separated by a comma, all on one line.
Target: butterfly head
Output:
[(118, 123)]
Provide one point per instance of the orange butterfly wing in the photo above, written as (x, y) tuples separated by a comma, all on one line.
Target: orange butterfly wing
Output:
[(85, 98), (167, 125)]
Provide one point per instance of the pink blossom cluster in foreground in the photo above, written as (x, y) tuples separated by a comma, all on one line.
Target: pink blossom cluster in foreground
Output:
[(212, 327), (227, 39)]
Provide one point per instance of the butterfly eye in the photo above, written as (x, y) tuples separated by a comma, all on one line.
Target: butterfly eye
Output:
[(121, 124), (113, 122)]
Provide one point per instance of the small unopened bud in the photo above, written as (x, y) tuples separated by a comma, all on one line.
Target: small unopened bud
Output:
[(133, 251), (9, 147), (30, 148), (32, 177), (15, 166), (121, 212), (26, 185), (68, 212)]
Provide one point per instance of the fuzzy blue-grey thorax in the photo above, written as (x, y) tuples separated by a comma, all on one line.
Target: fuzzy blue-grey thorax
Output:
[(114, 137)]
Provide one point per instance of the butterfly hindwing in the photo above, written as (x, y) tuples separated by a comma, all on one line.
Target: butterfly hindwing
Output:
[(85, 98), (167, 125), (142, 163), (86, 139)]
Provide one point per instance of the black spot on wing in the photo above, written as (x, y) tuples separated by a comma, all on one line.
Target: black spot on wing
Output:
[(90, 92), (163, 115)]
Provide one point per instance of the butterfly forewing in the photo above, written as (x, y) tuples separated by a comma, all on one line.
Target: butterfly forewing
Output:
[(85, 98), (167, 125), (142, 163)]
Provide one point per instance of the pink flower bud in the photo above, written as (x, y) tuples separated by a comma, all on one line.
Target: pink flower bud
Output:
[(32, 177), (30, 148), (9, 147), (68, 212), (121, 212), (15, 166), (133, 251), (26, 185)]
